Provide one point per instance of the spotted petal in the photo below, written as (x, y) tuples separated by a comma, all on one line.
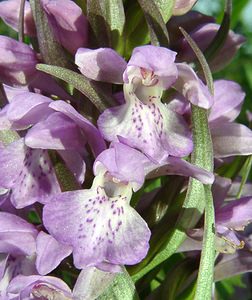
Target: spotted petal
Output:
[(98, 227), (28, 172), (152, 127)]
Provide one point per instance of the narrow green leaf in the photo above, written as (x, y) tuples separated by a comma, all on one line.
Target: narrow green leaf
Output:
[(246, 170), (65, 177), (136, 30), (107, 20), (158, 31), (206, 269), (122, 287), (165, 8), (222, 33), (89, 88), (114, 15), (96, 14), (50, 49)]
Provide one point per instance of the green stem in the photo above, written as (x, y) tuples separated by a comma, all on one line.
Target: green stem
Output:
[(21, 21)]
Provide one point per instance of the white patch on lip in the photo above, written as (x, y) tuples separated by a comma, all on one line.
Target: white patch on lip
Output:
[(43, 291)]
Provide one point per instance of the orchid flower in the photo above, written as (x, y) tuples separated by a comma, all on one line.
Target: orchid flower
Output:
[(203, 35), (95, 221), (231, 218), (55, 126), (99, 223), (229, 138), (149, 71)]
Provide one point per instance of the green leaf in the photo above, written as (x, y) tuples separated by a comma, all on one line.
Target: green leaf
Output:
[(115, 17), (90, 89), (245, 174), (206, 269), (66, 178), (165, 7), (107, 20), (122, 287), (50, 49), (96, 14), (158, 31), (135, 30), (205, 276), (176, 279)]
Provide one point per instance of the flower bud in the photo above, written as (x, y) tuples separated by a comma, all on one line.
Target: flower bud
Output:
[(203, 36), (181, 7), (17, 62), (68, 23)]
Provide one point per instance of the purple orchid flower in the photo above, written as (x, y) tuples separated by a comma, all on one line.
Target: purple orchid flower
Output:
[(17, 246), (203, 35), (18, 62), (55, 126), (70, 29), (190, 21), (23, 254), (231, 218), (49, 253), (229, 138), (95, 222), (149, 71)]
